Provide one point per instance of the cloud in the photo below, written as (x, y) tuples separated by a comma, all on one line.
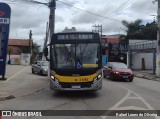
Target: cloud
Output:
[(59, 19), (27, 16), (144, 8), (84, 18)]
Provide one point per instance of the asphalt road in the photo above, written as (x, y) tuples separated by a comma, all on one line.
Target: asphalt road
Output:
[(31, 92)]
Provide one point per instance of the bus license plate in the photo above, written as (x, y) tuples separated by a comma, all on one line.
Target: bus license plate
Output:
[(75, 87), (125, 76)]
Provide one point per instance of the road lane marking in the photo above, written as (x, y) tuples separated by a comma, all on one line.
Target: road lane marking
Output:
[(127, 97), (14, 75), (140, 98), (121, 101)]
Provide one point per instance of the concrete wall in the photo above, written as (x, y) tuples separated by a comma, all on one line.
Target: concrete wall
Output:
[(137, 60), (15, 58), (23, 59), (133, 41)]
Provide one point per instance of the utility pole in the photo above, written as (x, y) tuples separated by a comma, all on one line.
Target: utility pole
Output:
[(46, 38), (98, 29), (158, 41), (30, 45), (52, 7), (30, 40)]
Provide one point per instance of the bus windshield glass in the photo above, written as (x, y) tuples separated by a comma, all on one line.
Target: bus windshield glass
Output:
[(71, 56)]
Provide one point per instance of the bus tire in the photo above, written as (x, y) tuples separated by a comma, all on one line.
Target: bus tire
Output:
[(32, 71), (41, 73), (131, 80), (111, 77)]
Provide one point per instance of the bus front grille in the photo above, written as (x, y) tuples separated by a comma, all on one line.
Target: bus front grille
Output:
[(82, 85)]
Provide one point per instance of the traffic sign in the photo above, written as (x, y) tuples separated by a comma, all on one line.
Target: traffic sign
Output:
[(5, 13)]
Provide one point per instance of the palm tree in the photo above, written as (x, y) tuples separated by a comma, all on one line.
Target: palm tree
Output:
[(35, 51), (133, 29)]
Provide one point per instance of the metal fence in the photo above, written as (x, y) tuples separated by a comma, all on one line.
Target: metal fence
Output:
[(143, 45)]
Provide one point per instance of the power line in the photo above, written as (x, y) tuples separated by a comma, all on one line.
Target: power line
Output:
[(125, 8), (28, 1), (36, 2), (126, 5), (51, 4), (88, 11), (116, 10), (104, 17), (132, 3)]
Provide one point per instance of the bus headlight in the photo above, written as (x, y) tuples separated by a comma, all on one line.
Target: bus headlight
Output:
[(99, 76), (52, 77)]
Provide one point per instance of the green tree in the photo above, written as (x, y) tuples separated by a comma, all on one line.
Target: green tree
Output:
[(35, 51), (150, 31), (136, 30)]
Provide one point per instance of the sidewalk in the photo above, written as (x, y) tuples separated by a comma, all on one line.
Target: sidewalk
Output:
[(146, 74)]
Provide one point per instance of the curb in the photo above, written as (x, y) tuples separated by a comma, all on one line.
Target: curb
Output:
[(144, 77)]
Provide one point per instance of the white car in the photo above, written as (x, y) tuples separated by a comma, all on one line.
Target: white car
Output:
[(40, 67)]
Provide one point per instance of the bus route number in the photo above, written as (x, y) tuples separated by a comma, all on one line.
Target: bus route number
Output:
[(81, 79)]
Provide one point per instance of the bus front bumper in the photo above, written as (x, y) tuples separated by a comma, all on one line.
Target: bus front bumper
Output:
[(93, 87)]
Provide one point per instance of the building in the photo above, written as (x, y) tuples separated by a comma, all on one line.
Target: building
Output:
[(111, 39), (73, 29), (114, 50), (143, 54), (19, 51)]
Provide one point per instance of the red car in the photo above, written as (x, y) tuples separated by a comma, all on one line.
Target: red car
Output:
[(118, 71)]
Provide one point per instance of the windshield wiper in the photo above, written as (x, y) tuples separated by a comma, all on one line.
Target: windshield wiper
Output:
[(84, 49)]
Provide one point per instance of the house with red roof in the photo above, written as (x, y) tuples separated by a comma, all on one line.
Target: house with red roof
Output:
[(114, 39), (19, 51)]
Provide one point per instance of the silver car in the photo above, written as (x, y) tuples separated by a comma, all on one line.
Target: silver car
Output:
[(40, 67)]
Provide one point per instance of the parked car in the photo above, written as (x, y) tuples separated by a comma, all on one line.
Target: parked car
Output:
[(40, 67), (118, 71)]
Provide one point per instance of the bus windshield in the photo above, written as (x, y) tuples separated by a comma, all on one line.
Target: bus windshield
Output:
[(71, 56)]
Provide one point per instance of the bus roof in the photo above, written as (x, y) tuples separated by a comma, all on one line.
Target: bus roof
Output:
[(76, 32)]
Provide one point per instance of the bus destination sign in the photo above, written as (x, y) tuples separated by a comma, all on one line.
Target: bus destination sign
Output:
[(75, 36)]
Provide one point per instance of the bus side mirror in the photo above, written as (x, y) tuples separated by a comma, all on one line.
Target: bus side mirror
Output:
[(158, 42), (46, 53)]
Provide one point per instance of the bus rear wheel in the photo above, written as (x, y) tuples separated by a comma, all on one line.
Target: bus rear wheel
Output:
[(130, 80), (41, 73), (32, 71)]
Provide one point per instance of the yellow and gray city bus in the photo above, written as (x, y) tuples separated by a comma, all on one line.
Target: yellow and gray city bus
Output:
[(75, 61)]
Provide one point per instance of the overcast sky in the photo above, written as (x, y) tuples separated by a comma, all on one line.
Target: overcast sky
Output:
[(26, 16)]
